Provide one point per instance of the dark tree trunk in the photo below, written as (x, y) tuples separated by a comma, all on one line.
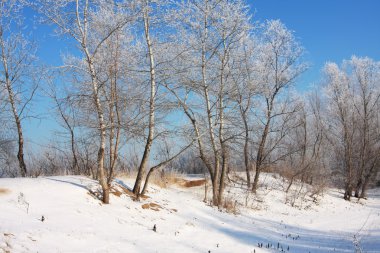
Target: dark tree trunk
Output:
[(358, 188), (260, 156), (20, 153)]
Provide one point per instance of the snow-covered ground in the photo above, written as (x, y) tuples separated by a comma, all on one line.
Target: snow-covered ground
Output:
[(75, 221)]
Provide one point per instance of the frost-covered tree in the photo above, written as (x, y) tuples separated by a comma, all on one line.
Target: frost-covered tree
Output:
[(365, 74), (90, 24), (340, 94), (281, 63), (16, 63), (245, 80), (353, 100), (208, 34)]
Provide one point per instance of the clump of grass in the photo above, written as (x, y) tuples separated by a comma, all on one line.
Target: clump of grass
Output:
[(162, 178), (166, 178), (230, 205), (4, 191)]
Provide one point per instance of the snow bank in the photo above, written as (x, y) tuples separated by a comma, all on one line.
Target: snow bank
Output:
[(75, 221)]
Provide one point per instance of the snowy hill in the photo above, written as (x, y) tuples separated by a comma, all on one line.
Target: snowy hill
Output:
[(59, 214)]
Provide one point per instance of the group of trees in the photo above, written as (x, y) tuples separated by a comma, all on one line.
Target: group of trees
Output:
[(193, 78), (353, 97)]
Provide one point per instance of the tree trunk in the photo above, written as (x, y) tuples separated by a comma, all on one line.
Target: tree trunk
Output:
[(83, 29), (20, 153), (215, 179), (102, 132), (348, 163), (363, 193), (210, 167), (222, 142), (215, 189), (246, 152), (114, 106), (260, 156), (11, 97), (144, 160), (75, 159), (367, 177), (222, 183), (114, 138), (347, 192), (358, 187), (153, 169)]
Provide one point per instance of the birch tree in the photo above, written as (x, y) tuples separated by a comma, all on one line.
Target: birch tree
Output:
[(155, 53), (77, 19), (153, 87), (16, 57), (208, 33)]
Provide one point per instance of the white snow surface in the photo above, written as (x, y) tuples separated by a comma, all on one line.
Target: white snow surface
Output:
[(75, 221)]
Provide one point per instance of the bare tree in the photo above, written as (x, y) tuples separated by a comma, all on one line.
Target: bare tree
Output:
[(353, 99), (208, 33), (245, 89), (365, 76), (152, 71), (342, 121), (67, 115), (78, 20), (305, 145), (281, 65), (16, 62)]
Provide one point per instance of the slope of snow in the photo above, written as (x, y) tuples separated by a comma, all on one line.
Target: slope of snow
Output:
[(75, 221)]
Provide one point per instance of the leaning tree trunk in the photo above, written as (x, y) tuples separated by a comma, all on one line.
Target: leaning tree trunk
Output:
[(11, 97), (261, 150), (148, 145), (20, 153), (260, 157)]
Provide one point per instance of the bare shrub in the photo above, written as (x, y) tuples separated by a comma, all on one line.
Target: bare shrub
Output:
[(230, 205), (303, 195)]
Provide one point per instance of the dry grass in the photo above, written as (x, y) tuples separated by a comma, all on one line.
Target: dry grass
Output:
[(193, 183), (165, 179), (115, 192), (230, 205), (4, 191), (152, 206), (125, 191), (161, 178)]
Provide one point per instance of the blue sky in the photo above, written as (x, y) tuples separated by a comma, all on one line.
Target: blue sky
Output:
[(330, 30)]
